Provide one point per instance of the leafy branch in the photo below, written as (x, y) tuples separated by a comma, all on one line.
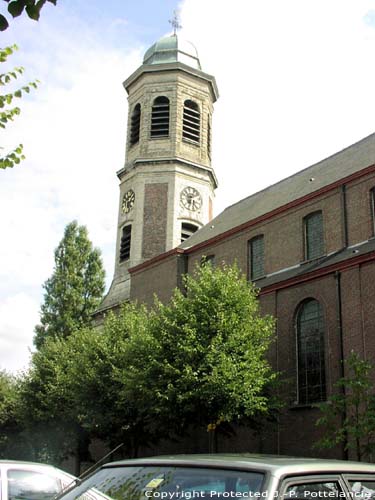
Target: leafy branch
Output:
[(17, 7), (8, 113)]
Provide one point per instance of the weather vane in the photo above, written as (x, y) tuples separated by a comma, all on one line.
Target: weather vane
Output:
[(175, 21)]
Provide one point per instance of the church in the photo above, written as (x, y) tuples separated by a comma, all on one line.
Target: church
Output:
[(307, 242)]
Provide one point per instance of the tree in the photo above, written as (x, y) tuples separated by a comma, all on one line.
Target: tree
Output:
[(8, 412), (48, 415), (101, 362), (198, 361), (7, 112), (74, 290), (71, 393), (348, 416), (17, 7), (203, 361)]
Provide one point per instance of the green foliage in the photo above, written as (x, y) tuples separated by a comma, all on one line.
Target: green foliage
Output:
[(8, 411), (146, 374), (74, 290), (7, 111), (72, 392), (348, 416), (209, 349), (17, 7), (47, 406), (197, 361), (97, 380)]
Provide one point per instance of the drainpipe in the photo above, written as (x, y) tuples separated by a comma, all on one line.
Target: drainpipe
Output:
[(345, 453)]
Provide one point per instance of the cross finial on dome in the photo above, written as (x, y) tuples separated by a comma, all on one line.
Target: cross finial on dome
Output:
[(175, 21)]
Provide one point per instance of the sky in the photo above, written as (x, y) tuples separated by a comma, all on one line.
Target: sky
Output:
[(296, 80)]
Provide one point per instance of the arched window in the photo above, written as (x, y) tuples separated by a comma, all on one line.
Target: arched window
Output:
[(135, 124), (187, 230), (311, 383), (314, 235), (256, 257), (125, 243), (160, 117), (191, 124)]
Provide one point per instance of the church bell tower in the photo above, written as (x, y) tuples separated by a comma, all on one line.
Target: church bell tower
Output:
[(167, 183)]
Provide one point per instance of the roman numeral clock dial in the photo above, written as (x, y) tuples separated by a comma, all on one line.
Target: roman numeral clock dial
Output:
[(128, 201), (191, 199)]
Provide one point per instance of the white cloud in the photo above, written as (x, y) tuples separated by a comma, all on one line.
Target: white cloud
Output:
[(15, 339)]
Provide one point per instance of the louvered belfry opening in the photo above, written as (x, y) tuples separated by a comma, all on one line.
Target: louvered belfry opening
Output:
[(191, 121), (135, 124), (160, 117), (187, 230), (125, 243)]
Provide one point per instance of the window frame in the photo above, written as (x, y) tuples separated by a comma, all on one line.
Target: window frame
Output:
[(308, 254), (251, 261), (135, 125), (188, 225), (13, 472), (208, 259), (302, 398), (318, 477), (192, 120), (154, 130), (125, 246)]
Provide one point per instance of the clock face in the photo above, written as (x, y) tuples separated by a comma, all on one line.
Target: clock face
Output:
[(191, 199), (128, 201)]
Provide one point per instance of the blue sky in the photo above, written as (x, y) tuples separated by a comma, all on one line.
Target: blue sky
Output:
[(296, 82)]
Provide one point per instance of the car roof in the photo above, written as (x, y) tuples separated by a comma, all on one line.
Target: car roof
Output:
[(277, 465), (38, 467), (21, 462)]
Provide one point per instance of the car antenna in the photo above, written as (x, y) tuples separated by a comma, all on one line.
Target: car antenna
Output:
[(85, 473), (96, 464)]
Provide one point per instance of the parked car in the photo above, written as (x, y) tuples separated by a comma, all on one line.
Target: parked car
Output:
[(221, 477), (31, 481)]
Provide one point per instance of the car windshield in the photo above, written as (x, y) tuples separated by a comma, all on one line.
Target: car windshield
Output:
[(167, 483)]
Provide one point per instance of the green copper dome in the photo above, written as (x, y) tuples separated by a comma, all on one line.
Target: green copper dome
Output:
[(171, 49)]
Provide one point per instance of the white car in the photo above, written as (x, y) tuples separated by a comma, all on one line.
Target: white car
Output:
[(31, 481)]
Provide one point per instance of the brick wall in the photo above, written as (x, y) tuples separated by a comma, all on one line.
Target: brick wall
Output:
[(161, 279), (155, 219), (295, 431)]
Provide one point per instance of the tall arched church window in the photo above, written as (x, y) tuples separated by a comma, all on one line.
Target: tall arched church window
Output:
[(256, 257), (314, 235), (191, 123), (372, 206), (160, 117), (135, 124), (311, 380), (125, 243), (187, 230)]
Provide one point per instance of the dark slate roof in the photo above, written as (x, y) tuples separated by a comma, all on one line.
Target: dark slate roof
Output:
[(338, 166), (346, 254)]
